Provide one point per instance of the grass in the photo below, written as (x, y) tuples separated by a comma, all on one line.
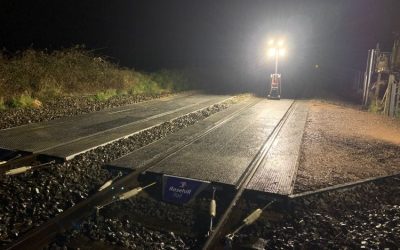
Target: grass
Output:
[(22, 101), (375, 107), (40, 75), (2, 104), (105, 95)]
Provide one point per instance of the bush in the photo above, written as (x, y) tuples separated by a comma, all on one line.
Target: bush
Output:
[(105, 95), (22, 101), (145, 85), (171, 80), (35, 74)]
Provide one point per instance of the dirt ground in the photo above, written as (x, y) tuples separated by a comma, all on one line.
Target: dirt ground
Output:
[(342, 144)]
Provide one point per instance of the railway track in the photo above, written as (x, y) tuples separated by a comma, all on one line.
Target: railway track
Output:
[(45, 190), (41, 236), (229, 222), (46, 233)]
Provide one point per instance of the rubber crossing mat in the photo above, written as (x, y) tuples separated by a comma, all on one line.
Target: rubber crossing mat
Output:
[(67, 137)]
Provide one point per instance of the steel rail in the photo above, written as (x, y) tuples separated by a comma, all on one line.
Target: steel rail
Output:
[(343, 186)]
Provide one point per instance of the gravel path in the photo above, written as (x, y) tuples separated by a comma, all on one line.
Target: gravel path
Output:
[(342, 144), (65, 106), (32, 198)]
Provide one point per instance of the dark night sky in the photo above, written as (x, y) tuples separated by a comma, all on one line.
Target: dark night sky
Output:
[(224, 38)]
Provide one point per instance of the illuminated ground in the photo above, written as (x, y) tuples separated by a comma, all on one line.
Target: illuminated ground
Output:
[(342, 144)]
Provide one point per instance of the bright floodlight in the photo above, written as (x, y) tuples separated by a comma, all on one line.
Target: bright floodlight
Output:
[(271, 51), (271, 42), (282, 52), (281, 42)]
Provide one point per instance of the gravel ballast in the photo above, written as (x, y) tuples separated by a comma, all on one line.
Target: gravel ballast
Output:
[(124, 234), (32, 198), (140, 223), (164, 225), (366, 216)]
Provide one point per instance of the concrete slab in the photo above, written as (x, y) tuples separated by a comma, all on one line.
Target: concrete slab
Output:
[(67, 137), (222, 155), (277, 172)]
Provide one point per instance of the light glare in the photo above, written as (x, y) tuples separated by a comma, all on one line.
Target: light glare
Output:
[(271, 51), (282, 52), (271, 42)]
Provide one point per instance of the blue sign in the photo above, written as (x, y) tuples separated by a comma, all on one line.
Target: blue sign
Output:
[(181, 190)]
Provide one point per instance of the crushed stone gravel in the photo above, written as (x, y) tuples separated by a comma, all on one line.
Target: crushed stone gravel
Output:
[(140, 223), (342, 144), (366, 216), (124, 234)]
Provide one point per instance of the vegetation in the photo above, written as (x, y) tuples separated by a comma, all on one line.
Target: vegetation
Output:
[(375, 107), (34, 75), (2, 105), (23, 100), (105, 95)]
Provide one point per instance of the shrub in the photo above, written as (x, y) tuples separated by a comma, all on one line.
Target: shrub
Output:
[(22, 101), (105, 95), (171, 80), (75, 71)]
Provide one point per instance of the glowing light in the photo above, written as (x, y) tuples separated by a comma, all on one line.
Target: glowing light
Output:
[(282, 52), (271, 42), (271, 51), (276, 47)]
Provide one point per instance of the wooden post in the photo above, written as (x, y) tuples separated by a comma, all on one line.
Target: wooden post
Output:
[(371, 68), (392, 95), (388, 98)]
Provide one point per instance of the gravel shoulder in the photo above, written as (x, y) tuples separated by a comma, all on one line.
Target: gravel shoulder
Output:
[(343, 144)]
